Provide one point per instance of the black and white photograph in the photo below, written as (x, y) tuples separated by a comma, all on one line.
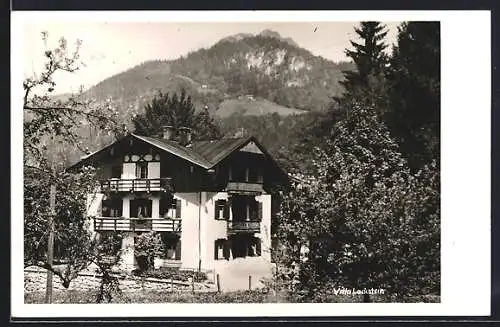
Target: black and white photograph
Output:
[(270, 162)]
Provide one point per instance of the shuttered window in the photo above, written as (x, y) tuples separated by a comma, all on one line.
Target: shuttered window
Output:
[(219, 245), (170, 208), (221, 210), (171, 248)]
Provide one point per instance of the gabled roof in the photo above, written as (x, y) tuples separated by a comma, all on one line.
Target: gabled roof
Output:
[(177, 150), (216, 151), (205, 154)]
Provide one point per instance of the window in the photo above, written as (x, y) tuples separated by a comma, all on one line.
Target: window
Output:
[(111, 208), (255, 247), (255, 210), (170, 207), (221, 249), (141, 170), (171, 246), (252, 174), (140, 208), (116, 171), (239, 208), (221, 210)]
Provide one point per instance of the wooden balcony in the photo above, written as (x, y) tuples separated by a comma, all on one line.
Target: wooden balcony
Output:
[(137, 224), (243, 226), (136, 185), (244, 188)]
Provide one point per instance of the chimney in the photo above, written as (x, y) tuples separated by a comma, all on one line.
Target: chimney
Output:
[(168, 132), (185, 136)]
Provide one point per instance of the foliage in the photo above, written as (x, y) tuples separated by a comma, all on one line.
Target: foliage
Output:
[(206, 126), (366, 84), (72, 239), (57, 119), (48, 120), (107, 255), (253, 296), (281, 135), (149, 296), (176, 111), (414, 78), (147, 246), (360, 221), (75, 247)]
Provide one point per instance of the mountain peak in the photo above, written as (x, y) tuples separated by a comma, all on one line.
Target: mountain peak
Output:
[(270, 33), (264, 33), (276, 35)]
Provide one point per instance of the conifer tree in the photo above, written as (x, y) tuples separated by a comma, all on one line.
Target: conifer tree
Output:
[(177, 111), (414, 79), (366, 83)]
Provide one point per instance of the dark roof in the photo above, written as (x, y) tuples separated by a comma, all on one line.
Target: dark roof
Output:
[(215, 151), (205, 154), (177, 150)]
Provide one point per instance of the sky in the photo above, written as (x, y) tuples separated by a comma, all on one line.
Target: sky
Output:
[(109, 48)]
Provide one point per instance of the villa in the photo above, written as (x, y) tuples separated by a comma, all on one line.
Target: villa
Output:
[(211, 201)]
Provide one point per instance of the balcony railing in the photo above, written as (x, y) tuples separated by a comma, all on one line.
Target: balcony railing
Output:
[(243, 226), (137, 224), (136, 185), (244, 187)]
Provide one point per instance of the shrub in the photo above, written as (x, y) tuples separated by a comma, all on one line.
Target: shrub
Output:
[(147, 247)]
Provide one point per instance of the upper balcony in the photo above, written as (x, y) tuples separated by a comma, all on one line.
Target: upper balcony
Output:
[(136, 185), (244, 187)]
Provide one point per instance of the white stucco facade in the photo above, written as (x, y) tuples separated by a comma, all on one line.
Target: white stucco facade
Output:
[(210, 231), (200, 230)]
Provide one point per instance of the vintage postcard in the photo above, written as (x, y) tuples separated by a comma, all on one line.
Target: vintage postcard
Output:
[(250, 164)]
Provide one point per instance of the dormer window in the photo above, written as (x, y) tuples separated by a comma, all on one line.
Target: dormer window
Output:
[(141, 170)]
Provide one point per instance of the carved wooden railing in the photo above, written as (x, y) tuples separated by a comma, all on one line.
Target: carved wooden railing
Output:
[(136, 185), (137, 224)]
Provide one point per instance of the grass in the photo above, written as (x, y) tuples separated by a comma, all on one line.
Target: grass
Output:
[(254, 296), (75, 296)]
